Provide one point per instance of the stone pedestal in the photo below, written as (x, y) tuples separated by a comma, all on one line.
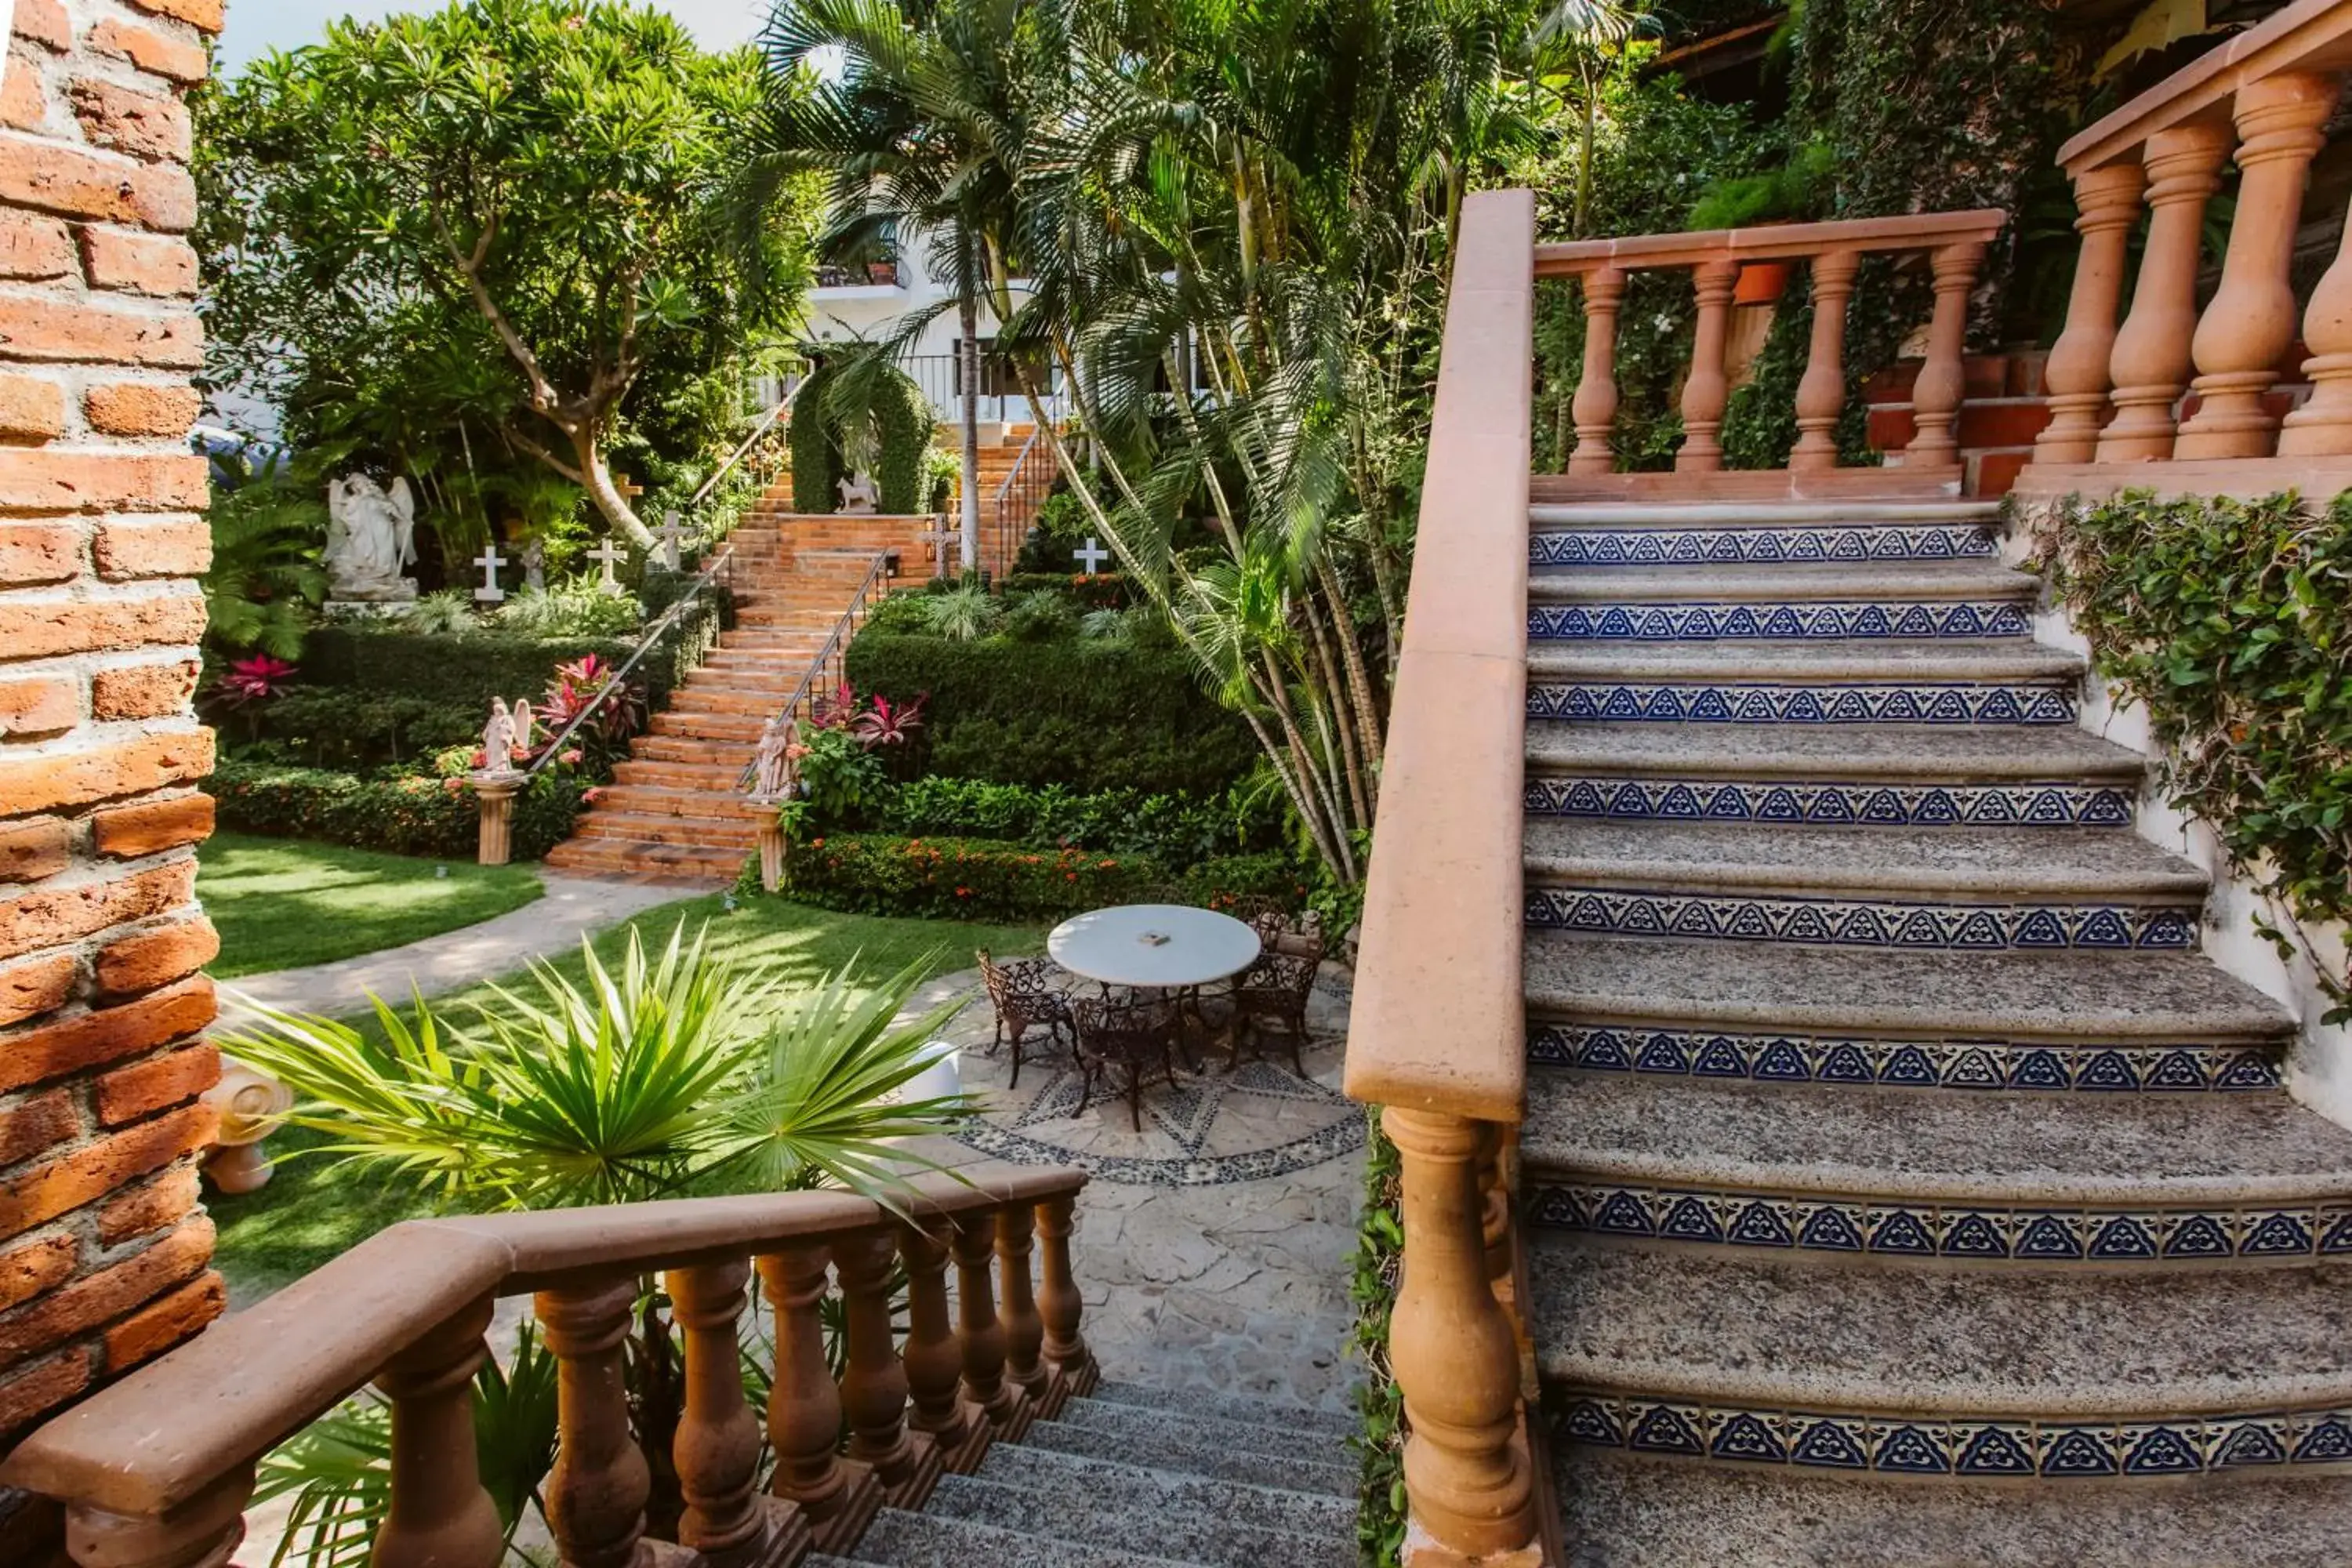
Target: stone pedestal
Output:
[(771, 852), (497, 792)]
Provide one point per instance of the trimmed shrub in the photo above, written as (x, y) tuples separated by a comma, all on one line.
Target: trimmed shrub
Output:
[(342, 727), (1176, 830), (990, 880), (815, 444), (1093, 715), (903, 429), (418, 814)]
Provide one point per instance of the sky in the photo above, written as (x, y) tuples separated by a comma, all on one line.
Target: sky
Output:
[(257, 25)]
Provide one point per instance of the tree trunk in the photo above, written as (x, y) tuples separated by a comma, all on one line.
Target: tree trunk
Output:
[(969, 347), (599, 482)]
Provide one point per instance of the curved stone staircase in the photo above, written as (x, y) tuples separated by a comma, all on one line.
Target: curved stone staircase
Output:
[(1135, 1477), (1901, 1184)]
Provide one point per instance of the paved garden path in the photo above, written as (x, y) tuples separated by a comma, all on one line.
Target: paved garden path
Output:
[(574, 907)]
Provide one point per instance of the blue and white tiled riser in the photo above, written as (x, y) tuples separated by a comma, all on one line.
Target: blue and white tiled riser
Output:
[(1749, 703), (1714, 623), (1954, 1234), (1759, 546), (2189, 1445), (1901, 1064), (1866, 804), (1856, 923)]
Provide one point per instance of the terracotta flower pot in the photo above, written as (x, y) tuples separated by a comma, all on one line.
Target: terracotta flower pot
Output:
[(1760, 283)]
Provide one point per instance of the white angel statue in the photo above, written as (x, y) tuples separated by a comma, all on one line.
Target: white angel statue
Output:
[(371, 539)]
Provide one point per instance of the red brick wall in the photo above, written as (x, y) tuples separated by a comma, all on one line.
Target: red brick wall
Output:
[(103, 1255)]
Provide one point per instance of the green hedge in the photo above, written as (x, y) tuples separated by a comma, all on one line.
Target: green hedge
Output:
[(1176, 830), (1090, 715), (983, 879), (414, 815)]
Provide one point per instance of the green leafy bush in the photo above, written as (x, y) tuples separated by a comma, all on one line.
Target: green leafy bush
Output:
[(2231, 621), (340, 727), (815, 444), (569, 610), (845, 779), (1176, 830), (1375, 1268), (1090, 715), (412, 814), (1042, 617), (963, 614), (903, 429), (983, 879)]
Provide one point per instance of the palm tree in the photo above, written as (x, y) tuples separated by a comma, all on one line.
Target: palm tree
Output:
[(919, 126)]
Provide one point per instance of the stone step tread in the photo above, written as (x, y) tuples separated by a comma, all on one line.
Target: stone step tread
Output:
[(2094, 998), (680, 799), (1154, 1425), (1755, 515), (2109, 1150), (1138, 1481), (1781, 1333), (1743, 584), (1213, 1460), (1966, 863), (1950, 660), (1928, 753), (904, 1540), (1230, 1406), (1627, 1511), (1088, 1518)]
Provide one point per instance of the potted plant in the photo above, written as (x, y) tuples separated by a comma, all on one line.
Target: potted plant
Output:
[(1797, 191)]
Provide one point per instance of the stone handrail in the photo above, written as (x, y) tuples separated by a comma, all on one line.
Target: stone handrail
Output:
[(1437, 1030), (2116, 393), (1956, 245), (155, 1470)]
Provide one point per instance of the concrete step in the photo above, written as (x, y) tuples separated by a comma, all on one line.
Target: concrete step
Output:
[(1141, 1484), (905, 1540), (1622, 1509), (1885, 888), (1086, 1518), (1850, 1368), (1231, 1407), (1207, 1458), (1845, 682), (2102, 1180), (1150, 1426), (1908, 775)]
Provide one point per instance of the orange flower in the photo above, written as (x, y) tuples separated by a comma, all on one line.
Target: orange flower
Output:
[(1108, 866)]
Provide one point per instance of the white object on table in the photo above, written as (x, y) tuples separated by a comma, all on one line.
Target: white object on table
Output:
[(1156, 945)]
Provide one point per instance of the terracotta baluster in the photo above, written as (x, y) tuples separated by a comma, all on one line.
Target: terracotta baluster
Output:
[(934, 1360), (2108, 202), (1708, 389), (1941, 383), (873, 1383), (203, 1532), (1024, 1326), (717, 1447), (838, 1497), (2250, 322), (2149, 366), (1453, 1351), (982, 1331), (1820, 392), (2322, 427), (440, 1517), (1061, 1306), (596, 1494), (1596, 392)]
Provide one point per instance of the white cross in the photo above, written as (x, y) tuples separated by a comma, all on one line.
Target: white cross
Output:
[(609, 556), (669, 533), (1091, 557), (489, 560)]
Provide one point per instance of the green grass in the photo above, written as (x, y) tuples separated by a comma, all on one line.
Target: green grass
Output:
[(285, 903), (318, 1207)]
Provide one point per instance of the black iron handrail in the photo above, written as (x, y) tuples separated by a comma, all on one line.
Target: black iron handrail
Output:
[(782, 406), (884, 564), (724, 562), (1031, 496)]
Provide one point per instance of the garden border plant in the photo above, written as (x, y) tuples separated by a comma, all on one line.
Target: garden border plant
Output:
[(2230, 622), (1375, 1267)]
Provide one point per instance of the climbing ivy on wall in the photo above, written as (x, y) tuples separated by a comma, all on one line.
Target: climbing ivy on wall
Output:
[(815, 445), (903, 428), (2230, 622), (866, 406)]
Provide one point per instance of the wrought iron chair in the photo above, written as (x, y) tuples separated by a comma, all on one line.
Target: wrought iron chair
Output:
[(1027, 994), (1129, 1034), (1278, 929), (1271, 998)]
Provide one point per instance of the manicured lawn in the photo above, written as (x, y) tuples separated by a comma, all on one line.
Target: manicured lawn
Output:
[(319, 1207), (283, 903)]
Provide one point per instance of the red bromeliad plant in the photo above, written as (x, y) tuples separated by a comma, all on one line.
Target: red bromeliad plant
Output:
[(255, 679), (576, 685), (885, 725)]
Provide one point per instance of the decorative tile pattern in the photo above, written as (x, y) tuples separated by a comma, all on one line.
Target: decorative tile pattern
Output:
[(1955, 1233), (1709, 702), (1331, 1141), (2022, 805), (1807, 619), (1856, 922), (1759, 546), (1901, 1064), (1929, 1445)]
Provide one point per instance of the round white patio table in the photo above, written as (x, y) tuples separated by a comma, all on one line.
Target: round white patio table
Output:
[(1161, 946)]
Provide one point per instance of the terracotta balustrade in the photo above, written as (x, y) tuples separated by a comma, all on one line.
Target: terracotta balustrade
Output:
[(2174, 384), (155, 1471), (1954, 244), (1436, 1034)]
